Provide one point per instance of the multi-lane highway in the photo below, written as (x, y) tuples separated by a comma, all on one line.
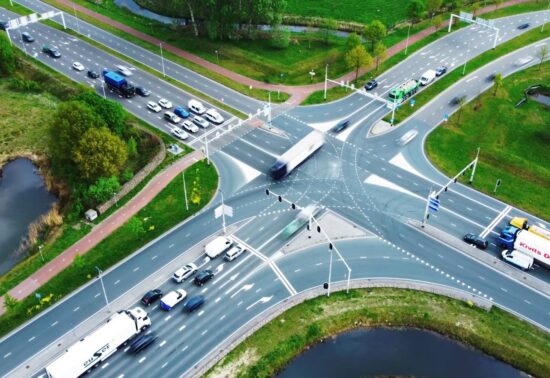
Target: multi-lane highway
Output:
[(371, 183)]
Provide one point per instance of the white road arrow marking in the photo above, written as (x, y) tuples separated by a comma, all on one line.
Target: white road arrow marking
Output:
[(244, 288), (219, 269), (232, 278), (261, 300)]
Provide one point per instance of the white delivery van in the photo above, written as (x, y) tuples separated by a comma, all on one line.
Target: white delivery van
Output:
[(427, 77), (518, 259), (196, 107), (217, 246)]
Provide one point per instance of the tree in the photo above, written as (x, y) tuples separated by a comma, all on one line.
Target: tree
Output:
[(99, 153), (474, 8), (280, 37), (374, 32), (352, 41), (192, 14), (10, 302), (356, 58), (70, 121), (195, 196), (8, 63), (310, 33), (433, 6), (327, 26), (110, 111), (136, 226), (497, 84), (497, 3), (103, 189), (542, 53), (380, 53), (132, 147), (461, 101), (437, 21), (415, 10)]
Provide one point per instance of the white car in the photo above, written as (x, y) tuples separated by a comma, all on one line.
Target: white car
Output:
[(168, 301), (165, 103), (184, 273), (78, 66), (153, 106), (124, 70), (180, 134), (201, 122), (213, 116), (234, 252), (189, 126), (407, 137)]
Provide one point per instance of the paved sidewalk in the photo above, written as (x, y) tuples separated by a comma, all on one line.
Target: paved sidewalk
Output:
[(297, 93), (103, 229)]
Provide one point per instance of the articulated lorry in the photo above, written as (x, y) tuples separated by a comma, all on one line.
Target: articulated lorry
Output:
[(528, 243), (118, 84), (91, 350), (404, 90), (522, 223)]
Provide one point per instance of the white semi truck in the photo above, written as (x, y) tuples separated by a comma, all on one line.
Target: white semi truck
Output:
[(527, 243), (96, 347)]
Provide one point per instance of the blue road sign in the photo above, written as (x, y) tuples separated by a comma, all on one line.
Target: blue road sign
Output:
[(434, 204)]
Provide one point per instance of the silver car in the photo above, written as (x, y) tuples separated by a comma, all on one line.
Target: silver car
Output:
[(201, 122), (184, 273)]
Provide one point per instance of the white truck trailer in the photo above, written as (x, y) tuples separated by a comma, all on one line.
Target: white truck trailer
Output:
[(533, 245), (96, 347), (217, 246)]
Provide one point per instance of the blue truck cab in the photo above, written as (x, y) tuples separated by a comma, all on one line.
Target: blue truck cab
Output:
[(508, 237)]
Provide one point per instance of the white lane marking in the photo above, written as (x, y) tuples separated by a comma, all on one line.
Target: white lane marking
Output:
[(162, 343), (142, 359), (32, 338), (76, 309), (204, 332), (54, 323), (116, 282), (200, 313), (496, 221), (167, 318), (182, 328), (7, 355)]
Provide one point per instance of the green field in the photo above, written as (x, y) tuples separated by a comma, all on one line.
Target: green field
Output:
[(496, 332), (514, 143)]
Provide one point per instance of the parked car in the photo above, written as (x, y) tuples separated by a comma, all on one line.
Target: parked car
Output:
[(143, 92), (203, 277), (151, 105), (180, 134), (213, 116), (196, 107), (142, 342), (524, 26), (51, 51), (457, 100), (181, 112), (201, 122), (371, 84), (184, 273), (170, 300), (78, 66), (165, 103), (440, 70), (151, 296), (193, 303), (93, 74), (27, 37), (123, 70), (169, 116), (234, 252), (407, 137), (340, 126), (189, 126), (476, 240)]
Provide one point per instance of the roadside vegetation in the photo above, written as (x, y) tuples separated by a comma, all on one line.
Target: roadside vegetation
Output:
[(494, 332), (514, 142), (165, 211)]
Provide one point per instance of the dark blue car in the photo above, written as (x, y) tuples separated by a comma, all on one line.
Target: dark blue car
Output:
[(181, 112), (193, 303)]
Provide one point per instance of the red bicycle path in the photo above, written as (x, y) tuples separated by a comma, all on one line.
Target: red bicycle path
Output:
[(297, 93)]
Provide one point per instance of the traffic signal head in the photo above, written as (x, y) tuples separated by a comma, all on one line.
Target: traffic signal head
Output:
[(318, 228), (325, 286), (280, 199), (267, 192), (293, 207)]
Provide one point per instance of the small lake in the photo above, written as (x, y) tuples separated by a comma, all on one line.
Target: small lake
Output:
[(23, 198), (395, 352)]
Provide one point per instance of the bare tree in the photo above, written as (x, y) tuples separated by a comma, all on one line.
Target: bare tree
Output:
[(497, 83), (542, 53)]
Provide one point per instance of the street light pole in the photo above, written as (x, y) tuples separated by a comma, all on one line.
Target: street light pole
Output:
[(547, 8), (393, 110), (116, 199), (474, 167), (326, 81), (217, 56), (103, 88), (162, 60), (466, 61), (76, 17), (185, 190), (103, 286), (407, 43), (329, 273)]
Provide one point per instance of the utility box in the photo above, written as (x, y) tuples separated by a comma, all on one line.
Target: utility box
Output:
[(90, 215)]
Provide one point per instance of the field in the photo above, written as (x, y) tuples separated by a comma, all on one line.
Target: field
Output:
[(514, 143)]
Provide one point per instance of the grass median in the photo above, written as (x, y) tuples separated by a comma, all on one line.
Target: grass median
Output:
[(165, 211), (495, 332), (514, 143)]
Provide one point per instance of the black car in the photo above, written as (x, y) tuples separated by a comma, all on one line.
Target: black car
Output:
[(193, 303), (151, 296), (523, 26), (51, 51), (457, 100), (491, 77), (142, 342), (3, 25), (93, 74), (340, 126), (478, 241), (203, 277), (27, 37), (143, 92), (371, 84), (440, 70)]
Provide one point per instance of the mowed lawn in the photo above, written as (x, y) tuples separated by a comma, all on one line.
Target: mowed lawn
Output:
[(23, 121), (514, 142)]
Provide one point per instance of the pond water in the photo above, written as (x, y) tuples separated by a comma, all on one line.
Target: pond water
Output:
[(23, 198), (395, 352)]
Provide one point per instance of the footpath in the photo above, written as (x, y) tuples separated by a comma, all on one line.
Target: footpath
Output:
[(103, 229), (297, 93)]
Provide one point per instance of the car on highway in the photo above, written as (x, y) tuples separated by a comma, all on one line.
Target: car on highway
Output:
[(184, 273), (524, 26), (78, 66), (143, 92), (301, 220), (196, 107), (142, 342), (491, 77), (198, 120), (3, 25), (457, 100), (170, 300), (93, 74), (51, 51), (407, 137), (123, 70), (180, 111), (151, 296), (440, 70), (523, 61), (343, 124), (193, 303), (518, 259), (27, 37), (476, 240), (189, 126), (165, 103), (171, 117), (234, 252), (371, 84), (180, 134), (213, 116), (151, 105), (203, 277)]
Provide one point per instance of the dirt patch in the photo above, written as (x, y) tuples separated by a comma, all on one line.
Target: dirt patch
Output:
[(233, 368)]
